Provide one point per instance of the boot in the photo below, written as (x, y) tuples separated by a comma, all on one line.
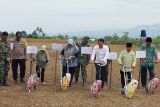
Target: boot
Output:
[(5, 83), (0, 82), (22, 80), (76, 79), (84, 81)]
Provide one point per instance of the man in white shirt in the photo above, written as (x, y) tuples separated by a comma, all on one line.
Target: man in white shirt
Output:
[(99, 57)]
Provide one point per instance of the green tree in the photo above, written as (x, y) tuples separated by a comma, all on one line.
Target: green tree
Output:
[(38, 32), (24, 34), (60, 36), (74, 38), (11, 34), (107, 38), (34, 33), (66, 36)]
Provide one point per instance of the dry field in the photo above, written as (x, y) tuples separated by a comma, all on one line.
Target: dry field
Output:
[(50, 95)]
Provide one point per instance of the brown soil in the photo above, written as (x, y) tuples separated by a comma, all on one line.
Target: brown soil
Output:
[(50, 95)]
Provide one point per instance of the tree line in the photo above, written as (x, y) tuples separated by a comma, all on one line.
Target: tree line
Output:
[(38, 33)]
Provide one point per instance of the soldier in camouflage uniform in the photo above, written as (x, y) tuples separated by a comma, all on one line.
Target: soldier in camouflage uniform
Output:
[(83, 60), (4, 58)]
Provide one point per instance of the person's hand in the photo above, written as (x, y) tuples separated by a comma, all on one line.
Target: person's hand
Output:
[(133, 67), (144, 61), (59, 58), (103, 62), (121, 65), (46, 61), (91, 61), (87, 62), (31, 60), (69, 58), (156, 61), (9, 60)]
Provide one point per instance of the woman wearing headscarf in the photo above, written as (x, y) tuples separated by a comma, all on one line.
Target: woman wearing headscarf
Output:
[(42, 59), (69, 58)]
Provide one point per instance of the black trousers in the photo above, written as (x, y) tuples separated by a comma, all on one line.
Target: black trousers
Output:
[(22, 65), (101, 73), (71, 71), (40, 72), (122, 77)]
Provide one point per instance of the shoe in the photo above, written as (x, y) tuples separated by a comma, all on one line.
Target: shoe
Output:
[(34, 87), (38, 78), (44, 83), (84, 80), (5, 84), (76, 81), (122, 91), (22, 81), (16, 81), (1, 84), (103, 89)]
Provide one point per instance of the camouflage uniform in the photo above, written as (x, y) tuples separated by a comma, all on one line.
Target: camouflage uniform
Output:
[(4, 63), (83, 60)]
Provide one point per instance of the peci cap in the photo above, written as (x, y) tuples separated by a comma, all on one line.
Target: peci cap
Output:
[(148, 39), (128, 44), (4, 33), (18, 33)]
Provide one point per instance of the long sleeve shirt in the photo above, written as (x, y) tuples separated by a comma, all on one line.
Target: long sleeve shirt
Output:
[(83, 58), (41, 58), (151, 52), (100, 54), (68, 52), (127, 59), (4, 50)]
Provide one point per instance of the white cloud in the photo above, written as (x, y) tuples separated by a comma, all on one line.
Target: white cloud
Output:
[(76, 15)]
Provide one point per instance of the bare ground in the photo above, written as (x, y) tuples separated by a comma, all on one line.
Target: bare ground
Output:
[(50, 95)]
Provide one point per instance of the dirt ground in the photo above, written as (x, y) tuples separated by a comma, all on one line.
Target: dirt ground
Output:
[(50, 95)]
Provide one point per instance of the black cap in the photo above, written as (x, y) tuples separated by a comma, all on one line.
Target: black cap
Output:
[(101, 40), (4, 33), (18, 33), (148, 39), (128, 44), (86, 38)]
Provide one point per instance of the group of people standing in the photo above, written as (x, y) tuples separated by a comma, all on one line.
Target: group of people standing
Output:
[(15, 54), (73, 61)]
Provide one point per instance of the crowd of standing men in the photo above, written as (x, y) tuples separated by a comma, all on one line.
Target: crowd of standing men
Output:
[(16, 56), (73, 61)]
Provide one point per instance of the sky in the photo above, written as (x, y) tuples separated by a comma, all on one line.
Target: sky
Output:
[(76, 15)]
